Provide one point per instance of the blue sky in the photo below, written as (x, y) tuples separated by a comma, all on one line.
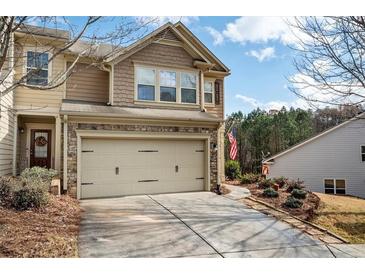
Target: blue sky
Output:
[(256, 80), (257, 51)]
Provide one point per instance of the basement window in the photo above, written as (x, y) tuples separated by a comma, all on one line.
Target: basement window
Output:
[(334, 186), (363, 153)]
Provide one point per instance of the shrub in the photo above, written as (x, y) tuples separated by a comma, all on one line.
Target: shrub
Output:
[(6, 189), (232, 169), (265, 183), (281, 181), (299, 193), (32, 195), (38, 173), (294, 185), (292, 202), (270, 192), (250, 178)]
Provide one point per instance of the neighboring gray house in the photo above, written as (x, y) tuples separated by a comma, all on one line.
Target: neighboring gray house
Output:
[(331, 162)]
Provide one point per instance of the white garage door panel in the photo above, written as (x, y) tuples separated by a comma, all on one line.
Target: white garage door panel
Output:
[(145, 167)]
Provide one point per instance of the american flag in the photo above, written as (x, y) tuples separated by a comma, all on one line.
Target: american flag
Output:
[(233, 142)]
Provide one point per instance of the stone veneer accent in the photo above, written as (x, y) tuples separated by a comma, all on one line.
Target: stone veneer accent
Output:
[(72, 145)]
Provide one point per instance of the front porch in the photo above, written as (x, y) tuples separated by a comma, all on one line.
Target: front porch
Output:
[(37, 141)]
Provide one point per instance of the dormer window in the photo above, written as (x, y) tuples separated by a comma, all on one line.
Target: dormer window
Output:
[(37, 68), (146, 82)]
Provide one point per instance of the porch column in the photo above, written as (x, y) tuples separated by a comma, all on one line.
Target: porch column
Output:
[(15, 143), (57, 162), (65, 145)]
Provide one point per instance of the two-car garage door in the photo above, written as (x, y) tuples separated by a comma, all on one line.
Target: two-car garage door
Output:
[(114, 167)]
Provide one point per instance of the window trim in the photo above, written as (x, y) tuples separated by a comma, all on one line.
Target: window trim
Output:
[(361, 153), (157, 100), (335, 185), (38, 50), (212, 81)]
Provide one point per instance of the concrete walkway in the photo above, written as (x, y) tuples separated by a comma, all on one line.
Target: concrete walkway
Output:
[(199, 224)]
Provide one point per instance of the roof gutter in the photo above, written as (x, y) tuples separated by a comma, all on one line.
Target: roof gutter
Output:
[(115, 115)]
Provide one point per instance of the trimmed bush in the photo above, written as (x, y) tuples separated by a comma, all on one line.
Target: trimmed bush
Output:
[(232, 169), (281, 181), (270, 193), (299, 193), (294, 185), (38, 174), (265, 183), (250, 178), (32, 195), (292, 202)]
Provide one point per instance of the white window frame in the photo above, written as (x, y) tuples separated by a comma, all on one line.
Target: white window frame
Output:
[(335, 185), (212, 81), (361, 153), (157, 100), (38, 50)]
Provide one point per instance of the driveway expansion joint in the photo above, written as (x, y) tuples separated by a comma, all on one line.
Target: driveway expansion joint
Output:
[(196, 233)]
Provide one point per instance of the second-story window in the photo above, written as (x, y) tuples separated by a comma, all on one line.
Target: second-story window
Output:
[(146, 84), (208, 92), (188, 88), (167, 86), (37, 68)]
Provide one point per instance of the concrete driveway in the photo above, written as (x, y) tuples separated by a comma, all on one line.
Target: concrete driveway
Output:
[(198, 224)]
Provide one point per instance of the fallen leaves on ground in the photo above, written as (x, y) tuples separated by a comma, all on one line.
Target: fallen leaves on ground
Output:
[(48, 232)]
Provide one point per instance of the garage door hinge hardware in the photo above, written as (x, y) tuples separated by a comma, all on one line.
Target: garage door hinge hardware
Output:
[(199, 150), (87, 151), (200, 178), (142, 181), (147, 150), (83, 184)]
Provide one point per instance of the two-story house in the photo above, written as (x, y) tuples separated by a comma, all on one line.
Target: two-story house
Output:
[(150, 120)]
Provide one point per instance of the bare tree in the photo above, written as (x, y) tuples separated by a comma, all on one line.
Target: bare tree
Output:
[(87, 40), (329, 60)]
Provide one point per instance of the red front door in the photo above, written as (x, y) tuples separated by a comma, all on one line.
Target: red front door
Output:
[(40, 148)]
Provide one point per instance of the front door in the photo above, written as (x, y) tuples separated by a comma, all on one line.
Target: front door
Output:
[(40, 148)]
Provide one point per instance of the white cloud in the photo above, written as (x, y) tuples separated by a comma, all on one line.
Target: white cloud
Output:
[(261, 30), (272, 105), (218, 37), (262, 54)]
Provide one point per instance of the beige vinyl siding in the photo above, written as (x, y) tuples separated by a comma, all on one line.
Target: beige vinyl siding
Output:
[(26, 98), (88, 83), (6, 127), (153, 54), (335, 155)]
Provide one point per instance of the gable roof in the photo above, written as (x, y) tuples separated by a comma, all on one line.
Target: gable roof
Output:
[(324, 133), (205, 55)]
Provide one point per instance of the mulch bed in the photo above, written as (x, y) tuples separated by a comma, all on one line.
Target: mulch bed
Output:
[(48, 232), (306, 212)]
